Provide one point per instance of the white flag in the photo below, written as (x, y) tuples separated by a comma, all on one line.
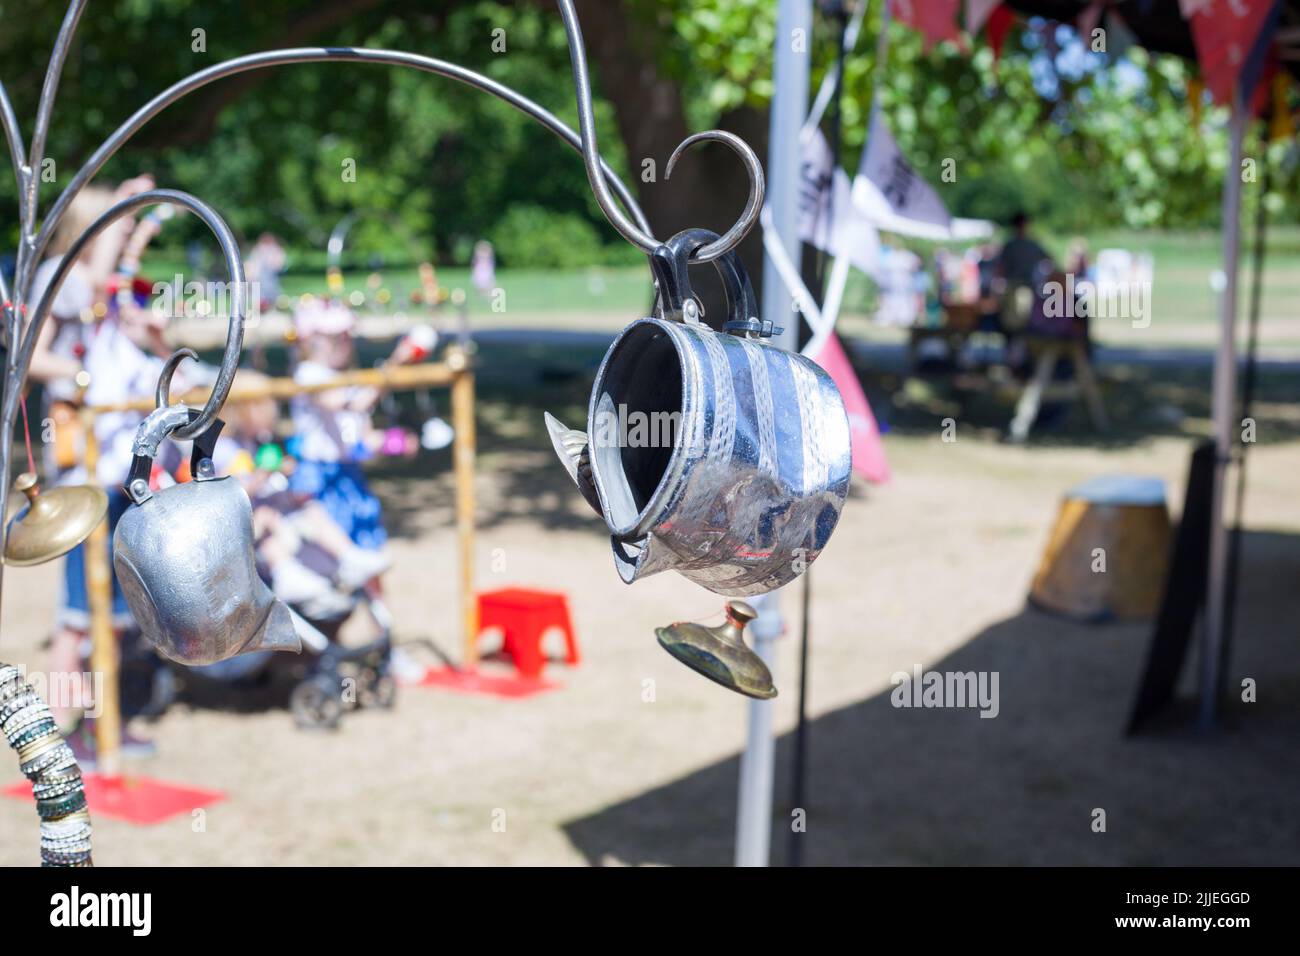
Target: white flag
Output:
[(816, 166), (906, 194), (828, 218)]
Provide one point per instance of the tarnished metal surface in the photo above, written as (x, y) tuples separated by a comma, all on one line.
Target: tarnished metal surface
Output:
[(720, 653), (53, 523), (184, 559)]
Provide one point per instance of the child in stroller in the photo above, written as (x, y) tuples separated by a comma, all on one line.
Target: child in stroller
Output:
[(311, 565), (307, 559)]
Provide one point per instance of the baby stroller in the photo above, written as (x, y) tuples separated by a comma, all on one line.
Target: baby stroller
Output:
[(324, 681)]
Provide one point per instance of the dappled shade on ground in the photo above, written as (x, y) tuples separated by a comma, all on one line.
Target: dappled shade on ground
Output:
[(891, 785)]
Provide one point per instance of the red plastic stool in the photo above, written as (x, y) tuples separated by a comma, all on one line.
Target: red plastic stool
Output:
[(524, 616)]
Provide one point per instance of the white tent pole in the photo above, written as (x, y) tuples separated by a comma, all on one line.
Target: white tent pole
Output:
[(1224, 406), (789, 104)]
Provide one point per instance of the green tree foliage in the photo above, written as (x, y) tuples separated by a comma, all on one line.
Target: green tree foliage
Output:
[(446, 161), (1102, 147)]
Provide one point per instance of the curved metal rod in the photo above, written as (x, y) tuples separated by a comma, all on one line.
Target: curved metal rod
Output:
[(49, 89), (14, 136), (234, 268), (269, 58), (641, 238), (10, 330), (343, 228), (334, 247), (162, 396), (731, 238)]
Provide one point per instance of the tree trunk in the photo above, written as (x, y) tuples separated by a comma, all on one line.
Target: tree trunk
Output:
[(708, 187)]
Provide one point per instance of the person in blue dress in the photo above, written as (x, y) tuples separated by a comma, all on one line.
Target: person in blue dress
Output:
[(333, 429)]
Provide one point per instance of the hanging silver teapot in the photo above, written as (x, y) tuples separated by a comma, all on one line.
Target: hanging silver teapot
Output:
[(715, 454), (184, 557)]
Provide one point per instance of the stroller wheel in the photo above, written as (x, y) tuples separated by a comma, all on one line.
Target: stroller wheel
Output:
[(316, 704), (382, 693)]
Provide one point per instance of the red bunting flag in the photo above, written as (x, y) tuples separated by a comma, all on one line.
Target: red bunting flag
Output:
[(1225, 32), (867, 449), (1000, 24), (936, 19)]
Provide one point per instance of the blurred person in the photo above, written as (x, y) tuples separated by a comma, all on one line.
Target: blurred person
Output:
[(902, 294), (333, 429), (1021, 255), (302, 553), (1081, 269), (991, 287), (483, 267), (102, 345), (58, 363), (58, 356), (968, 276), (1022, 264), (265, 263), (945, 274)]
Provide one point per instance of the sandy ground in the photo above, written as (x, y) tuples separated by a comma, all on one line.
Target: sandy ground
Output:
[(931, 570)]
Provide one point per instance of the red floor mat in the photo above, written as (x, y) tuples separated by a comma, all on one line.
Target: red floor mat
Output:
[(477, 682), (133, 798)]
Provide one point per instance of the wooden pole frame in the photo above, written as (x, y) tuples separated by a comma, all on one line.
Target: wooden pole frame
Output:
[(455, 373), (103, 645)]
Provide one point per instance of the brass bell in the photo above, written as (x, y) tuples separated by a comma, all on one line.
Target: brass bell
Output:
[(53, 523), (720, 653)]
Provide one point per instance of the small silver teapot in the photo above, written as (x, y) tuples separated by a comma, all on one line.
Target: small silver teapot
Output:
[(184, 557), (712, 453)]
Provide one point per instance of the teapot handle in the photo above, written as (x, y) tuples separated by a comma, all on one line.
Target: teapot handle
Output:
[(203, 448), (676, 300)]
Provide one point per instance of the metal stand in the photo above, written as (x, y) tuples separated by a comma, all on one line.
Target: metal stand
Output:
[(23, 318), (1224, 405), (790, 81), (754, 812)]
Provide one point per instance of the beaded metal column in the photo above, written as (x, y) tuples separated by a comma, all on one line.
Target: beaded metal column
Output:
[(46, 761)]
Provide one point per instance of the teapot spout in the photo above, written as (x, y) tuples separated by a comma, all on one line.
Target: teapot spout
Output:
[(277, 632), (639, 559), (571, 448)]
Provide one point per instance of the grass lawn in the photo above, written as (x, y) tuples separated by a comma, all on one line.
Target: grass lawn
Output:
[(1185, 309), (1184, 304)]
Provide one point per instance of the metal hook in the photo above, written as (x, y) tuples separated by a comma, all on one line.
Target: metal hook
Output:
[(163, 394), (591, 158), (753, 206)]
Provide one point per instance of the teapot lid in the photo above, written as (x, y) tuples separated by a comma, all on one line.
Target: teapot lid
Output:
[(54, 523), (720, 653)]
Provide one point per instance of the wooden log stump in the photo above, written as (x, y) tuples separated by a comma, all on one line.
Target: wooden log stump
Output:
[(1108, 553)]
